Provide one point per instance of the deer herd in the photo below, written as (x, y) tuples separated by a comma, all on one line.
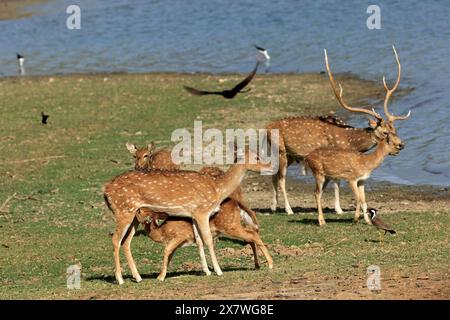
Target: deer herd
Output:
[(196, 207)]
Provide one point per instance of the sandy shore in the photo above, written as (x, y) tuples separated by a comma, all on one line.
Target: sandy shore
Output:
[(16, 9)]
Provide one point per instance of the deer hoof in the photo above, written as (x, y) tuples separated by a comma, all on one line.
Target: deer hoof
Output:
[(161, 278), (339, 211)]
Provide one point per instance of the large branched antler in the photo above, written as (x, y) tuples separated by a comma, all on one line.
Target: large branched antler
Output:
[(339, 97), (389, 92)]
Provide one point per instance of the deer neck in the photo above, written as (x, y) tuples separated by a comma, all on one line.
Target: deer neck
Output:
[(363, 139), (376, 158), (230, 180)]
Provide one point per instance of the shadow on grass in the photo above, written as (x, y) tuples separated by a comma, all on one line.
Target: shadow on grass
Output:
[(154, 275), (327, 220), (299, 210)]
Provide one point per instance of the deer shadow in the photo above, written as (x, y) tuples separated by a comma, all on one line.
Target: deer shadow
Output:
[(172, 274), (299, 210), (314, 221)]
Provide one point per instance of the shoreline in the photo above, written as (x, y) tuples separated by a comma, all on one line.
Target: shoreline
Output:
[(17, 9)]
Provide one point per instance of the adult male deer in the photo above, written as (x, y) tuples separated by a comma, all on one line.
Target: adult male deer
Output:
[(353, 166), (301, 135), (148, 158), (231, 221), (177, 193)]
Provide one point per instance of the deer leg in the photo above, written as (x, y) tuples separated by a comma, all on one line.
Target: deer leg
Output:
[(205, 233), (252, 237), (320, 180), (201, 250), (119, 233), (354, 187), (127, 250), (169, 250), (362, 197), (275, 185), (255, 254), (337, 203), (282, 174)]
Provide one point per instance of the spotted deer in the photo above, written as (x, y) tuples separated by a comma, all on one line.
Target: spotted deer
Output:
[(299, 136), (354, 167), (231, 221), (148, 158), (185, 194)]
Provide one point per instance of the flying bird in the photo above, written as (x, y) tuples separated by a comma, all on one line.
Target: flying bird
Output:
[(20, 61), (263, 56), (44, 118), (227, 94), (379, 224)]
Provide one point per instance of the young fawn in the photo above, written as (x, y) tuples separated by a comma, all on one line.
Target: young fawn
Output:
[(148, 158), (185, 194), (231, 221), (301, 135), (355, 167)]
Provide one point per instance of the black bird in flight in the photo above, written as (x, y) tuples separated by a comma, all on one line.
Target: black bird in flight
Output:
[(227, 94), (379, 224), (44, 118)]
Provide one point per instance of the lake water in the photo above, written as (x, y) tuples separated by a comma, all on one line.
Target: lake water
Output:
[(217, 36)]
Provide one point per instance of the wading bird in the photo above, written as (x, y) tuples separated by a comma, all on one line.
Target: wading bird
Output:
[(20, 62), (379, 224)]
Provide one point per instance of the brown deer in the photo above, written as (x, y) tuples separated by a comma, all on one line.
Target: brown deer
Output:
[(148, 158), (299, 136), (185, 194), (231, 221), (350, 165)]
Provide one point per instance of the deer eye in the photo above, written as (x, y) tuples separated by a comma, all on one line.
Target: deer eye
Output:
[(145, 156)]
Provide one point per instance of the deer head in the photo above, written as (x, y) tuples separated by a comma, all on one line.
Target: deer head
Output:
[(142, 155), (380, 126), (252, 161)]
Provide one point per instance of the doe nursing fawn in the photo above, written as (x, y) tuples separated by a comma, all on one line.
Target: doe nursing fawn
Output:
[(184, 194)]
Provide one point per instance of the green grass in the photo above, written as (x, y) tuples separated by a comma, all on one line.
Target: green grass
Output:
[(57, 172)]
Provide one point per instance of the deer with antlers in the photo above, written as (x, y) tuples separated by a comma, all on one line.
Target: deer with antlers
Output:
[(231, 221), (185, 194), (299, 136)]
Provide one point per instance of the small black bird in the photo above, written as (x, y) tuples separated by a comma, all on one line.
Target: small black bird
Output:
[(227, 94), (379, 224), (44, 118)]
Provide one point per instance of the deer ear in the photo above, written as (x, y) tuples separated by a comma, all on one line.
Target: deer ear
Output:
[(151, 146), (132, 148), (373, 123)]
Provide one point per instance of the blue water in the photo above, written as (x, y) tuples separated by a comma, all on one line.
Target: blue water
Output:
[(217, 36)]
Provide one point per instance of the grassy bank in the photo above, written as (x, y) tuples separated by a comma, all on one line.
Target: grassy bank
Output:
[(56, 216)]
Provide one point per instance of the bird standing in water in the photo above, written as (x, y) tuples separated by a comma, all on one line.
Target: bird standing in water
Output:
[(20, 62), (379, 224)]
